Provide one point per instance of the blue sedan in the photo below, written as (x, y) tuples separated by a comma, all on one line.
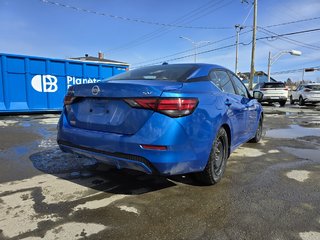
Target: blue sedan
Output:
[(168, 119)]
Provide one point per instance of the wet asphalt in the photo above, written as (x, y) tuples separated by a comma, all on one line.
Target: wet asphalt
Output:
[(270, 190)]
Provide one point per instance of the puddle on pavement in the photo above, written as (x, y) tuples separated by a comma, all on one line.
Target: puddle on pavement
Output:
[(295, 131), (293, 113), (21, 150), (308, 154), (55, 161)]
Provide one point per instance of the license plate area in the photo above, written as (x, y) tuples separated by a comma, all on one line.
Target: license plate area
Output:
[(97, 113), (98, 108), (107, 115)]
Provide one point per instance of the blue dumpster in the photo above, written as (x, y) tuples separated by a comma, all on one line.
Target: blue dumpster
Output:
[(36, 84)]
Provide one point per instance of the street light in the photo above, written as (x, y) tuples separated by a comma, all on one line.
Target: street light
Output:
[(195, 45), (273, 59)]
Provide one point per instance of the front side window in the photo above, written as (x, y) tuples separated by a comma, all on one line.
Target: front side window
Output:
[(313, 87), (221, 80)]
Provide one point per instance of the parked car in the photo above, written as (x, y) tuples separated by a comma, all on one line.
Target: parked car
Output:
[(273, 92), (306, 93), (167, 119)]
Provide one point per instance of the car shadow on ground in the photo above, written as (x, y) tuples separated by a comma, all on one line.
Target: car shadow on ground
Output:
[(101, 177)]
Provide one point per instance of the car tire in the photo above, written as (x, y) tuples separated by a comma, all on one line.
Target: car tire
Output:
[(258, 135), (217, 161), (301, 101), (291, 100), (282, 103)]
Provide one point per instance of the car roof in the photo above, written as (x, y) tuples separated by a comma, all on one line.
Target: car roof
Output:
[(307, 84), (196, 65), (203, 69)]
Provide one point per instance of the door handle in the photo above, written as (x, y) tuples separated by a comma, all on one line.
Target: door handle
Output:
[(227, 102)]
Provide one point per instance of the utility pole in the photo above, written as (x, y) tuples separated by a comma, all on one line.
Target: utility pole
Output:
[(238, 28), (254, 30), (269, 66)]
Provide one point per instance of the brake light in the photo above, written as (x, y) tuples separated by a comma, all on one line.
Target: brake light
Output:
[(68, 100), (69, 97), (173, 107)]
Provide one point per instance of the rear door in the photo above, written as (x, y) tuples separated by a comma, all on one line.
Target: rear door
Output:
[(312, 92), (235, 108), (296, 93), (249, 104)]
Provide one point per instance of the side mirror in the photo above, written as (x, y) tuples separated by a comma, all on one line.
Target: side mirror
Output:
[(258, 95)]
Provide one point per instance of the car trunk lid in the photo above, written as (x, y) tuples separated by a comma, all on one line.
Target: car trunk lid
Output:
[(102, 106)]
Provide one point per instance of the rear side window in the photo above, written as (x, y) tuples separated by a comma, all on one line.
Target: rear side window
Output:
[(241, 89), (313, 87), (274, 85), (221, 80), (162, 72)]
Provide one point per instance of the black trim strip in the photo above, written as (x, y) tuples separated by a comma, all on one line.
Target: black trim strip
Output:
[(116, 154)]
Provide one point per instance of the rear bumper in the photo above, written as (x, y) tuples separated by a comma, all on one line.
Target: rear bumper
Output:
[(119, 160), (273, 99), (125, 151)]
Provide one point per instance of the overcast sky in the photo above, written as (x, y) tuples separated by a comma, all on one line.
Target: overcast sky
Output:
[(140, 31)]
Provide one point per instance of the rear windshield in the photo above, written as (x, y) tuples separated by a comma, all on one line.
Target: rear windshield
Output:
[(313, 87), (173, 72), (273, 85)]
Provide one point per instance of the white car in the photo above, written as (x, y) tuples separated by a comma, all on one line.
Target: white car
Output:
[(273, 92), (306, 93)]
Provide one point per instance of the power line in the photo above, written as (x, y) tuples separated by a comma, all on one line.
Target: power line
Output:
[(246, 18), (223, 47), (189, 16), (127, 18), (302, 44), (284, 34), (292, 22), (160, 31), (189, 50), (297, 32), (190, 55), (270, 45), (288, 40), (178, 53), (292, 70)]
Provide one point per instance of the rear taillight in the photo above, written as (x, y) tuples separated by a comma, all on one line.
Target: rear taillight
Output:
[(68, 100), (173, 107), (69, 97)]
